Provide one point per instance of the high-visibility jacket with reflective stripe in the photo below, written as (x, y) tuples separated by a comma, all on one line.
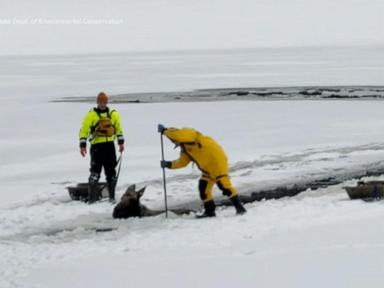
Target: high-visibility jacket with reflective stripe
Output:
[(203, 150), (90, 121)]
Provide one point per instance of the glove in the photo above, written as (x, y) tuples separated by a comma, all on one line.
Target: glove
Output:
[(161, 128), (121, 148), (165, 164), (83, 151)]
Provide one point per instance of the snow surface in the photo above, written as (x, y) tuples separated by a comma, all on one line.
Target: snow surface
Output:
[(316, 239)]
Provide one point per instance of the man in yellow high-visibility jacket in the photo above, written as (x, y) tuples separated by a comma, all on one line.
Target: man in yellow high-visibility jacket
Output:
[(211, 160), (101, 126)]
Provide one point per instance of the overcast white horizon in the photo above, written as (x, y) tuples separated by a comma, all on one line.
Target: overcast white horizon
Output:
[(66, 27)]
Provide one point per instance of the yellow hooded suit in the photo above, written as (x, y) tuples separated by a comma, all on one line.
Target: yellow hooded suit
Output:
[(208, 156)]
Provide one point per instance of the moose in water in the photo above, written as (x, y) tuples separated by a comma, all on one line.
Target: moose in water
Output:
[(130, 206)]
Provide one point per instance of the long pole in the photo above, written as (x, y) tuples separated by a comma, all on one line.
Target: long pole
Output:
[(164, 179), (118, 170)]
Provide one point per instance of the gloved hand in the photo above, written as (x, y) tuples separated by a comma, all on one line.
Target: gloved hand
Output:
[(165, 164), (121, 148), (161, 128), (83, 151)]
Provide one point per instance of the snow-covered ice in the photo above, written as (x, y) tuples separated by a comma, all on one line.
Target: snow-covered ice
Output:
[(315, 239)]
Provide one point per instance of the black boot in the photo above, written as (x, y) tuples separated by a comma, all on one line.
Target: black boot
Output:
[(238, 206), (111, 191), (209, 210), (92, 192), (92, 188)]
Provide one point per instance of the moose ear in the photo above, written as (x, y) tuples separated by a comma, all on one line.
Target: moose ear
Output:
[(131, 188), (141, 191)]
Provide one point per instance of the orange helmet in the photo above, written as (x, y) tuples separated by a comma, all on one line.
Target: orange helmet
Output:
[(102, 98)]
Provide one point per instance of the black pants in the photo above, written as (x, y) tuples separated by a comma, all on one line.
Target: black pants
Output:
[(103, 155)]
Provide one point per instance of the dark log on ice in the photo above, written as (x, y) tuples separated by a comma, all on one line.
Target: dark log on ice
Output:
[(372, 190), (80, 191)]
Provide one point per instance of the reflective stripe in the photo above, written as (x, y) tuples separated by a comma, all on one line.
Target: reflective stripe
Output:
[(221, 176), (206, 176)]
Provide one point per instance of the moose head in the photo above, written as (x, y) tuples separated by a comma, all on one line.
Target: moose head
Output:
[(129, 205)]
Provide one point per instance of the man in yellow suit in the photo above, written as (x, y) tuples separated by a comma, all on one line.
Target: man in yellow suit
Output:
[(212, 162), (101, 126)]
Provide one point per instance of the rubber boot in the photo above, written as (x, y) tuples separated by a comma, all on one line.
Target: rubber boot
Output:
[(92, 191), (209, 210), (111, 191), (238, 205), (92, 188)]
